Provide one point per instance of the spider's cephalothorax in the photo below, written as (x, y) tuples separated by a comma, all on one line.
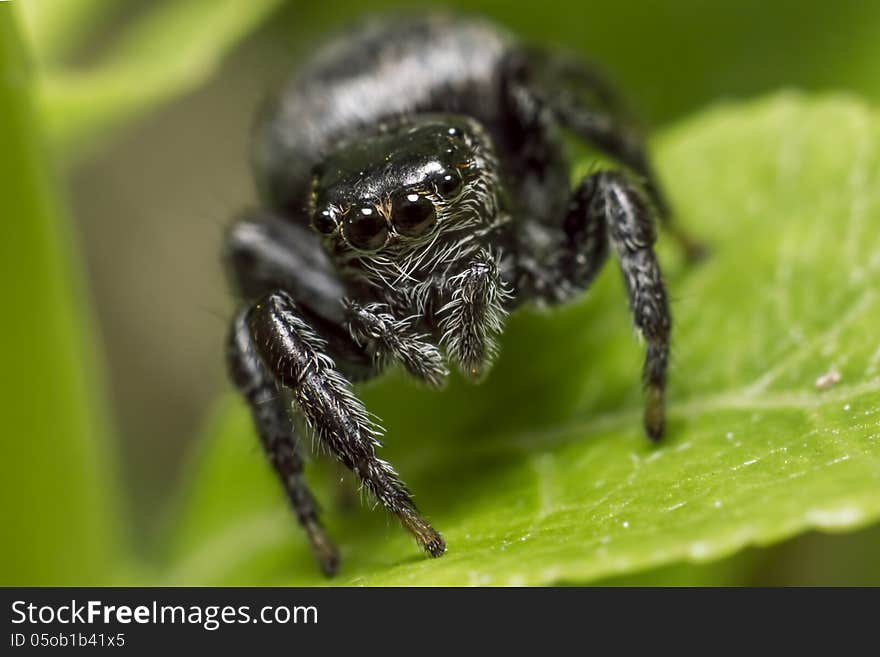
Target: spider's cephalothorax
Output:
[(415, 191)]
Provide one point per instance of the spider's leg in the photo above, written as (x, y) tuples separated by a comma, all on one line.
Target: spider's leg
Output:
[(391, 338), (578, 98), (271, 415), (296, 356), (282, 351), (607, 209), (474, 314)]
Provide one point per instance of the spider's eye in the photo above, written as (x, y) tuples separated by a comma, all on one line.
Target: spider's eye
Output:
[(365, 228), (413, 214), (449, 183), (324, 222)]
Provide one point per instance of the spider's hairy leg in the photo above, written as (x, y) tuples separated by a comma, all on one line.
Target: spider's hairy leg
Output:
[(475, 314), (376, 328), (579, 98), (271, 415), (607, 208), (297, 357)]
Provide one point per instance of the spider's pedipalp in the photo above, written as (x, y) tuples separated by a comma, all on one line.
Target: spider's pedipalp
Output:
[(395, 339), (475, 313)]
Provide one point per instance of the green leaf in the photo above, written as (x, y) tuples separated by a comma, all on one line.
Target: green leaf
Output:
[(542, 474), (59, 518), (168, 52)]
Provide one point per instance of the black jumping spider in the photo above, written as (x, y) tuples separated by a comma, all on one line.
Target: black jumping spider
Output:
[(416, 191)]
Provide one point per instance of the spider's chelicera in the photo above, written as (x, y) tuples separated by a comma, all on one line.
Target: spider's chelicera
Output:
[(415, 191)]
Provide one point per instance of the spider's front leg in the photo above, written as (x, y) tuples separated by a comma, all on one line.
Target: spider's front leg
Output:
[(281, 366), (297, 357), (374, 327), (269, 408), (474, 314), (605, 208)]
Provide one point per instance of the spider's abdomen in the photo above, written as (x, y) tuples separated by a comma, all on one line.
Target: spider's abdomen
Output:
[(381, 71)]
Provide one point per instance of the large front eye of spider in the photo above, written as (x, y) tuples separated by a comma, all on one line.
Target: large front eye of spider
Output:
[(365, 229), (413, 214)]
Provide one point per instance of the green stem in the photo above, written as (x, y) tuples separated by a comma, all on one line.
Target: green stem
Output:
[(59, 510)]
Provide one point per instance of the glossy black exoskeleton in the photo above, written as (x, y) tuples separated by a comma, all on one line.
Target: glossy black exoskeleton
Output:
[(415, 191)]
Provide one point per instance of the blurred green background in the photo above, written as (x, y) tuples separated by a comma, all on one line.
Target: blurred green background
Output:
[(150, 185)]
